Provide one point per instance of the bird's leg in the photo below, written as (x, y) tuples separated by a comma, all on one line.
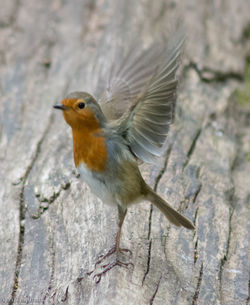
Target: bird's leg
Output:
[(122, 213), (116, 249)]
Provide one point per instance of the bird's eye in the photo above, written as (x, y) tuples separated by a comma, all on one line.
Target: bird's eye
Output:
[(81, 105)]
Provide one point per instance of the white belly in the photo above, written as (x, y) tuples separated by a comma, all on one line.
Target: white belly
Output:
[(97, 187)]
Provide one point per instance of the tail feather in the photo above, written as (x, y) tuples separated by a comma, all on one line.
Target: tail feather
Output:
[(172, 215)]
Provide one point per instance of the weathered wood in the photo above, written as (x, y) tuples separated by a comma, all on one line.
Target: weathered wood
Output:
[(52, 228)]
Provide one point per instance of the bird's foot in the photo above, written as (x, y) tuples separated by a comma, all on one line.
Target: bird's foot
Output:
[(98, 276), (106, 267), (110, 252)]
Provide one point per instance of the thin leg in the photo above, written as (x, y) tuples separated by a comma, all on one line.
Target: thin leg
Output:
[(116, 249), (121, 213)]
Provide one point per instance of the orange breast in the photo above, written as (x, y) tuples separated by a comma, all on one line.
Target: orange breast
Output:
[(89, 148)]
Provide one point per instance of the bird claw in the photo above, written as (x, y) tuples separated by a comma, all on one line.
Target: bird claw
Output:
[(104, 256), (97, 277), (110, 252), (109, 266), (125, 250)]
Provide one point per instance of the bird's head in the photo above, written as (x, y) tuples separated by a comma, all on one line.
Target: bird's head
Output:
[(80, 110)]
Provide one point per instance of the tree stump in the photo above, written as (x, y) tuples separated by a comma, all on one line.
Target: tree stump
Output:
[(52, 228)]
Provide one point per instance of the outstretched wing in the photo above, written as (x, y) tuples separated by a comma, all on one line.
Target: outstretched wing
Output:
[(146, 125), (130, 73)]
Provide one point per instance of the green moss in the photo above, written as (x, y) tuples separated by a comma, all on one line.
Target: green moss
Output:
[(246, 32), (243, 95), (248, 157)]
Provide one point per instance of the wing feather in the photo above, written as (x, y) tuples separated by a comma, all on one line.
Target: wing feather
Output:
[(146, 82), (156, 107)]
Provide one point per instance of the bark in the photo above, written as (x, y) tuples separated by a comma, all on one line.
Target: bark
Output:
[(52, 228)]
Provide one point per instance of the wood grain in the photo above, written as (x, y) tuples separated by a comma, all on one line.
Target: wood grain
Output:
[(52, 228)]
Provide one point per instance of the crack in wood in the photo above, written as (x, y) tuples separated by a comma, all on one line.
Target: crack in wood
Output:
[(150, 221), (230, 198), (157, 180), (191, 197), (148, 263), (184, 203), (164, 168), (196, 241), (191, 148), (208, 75), (156, 290), (195, 233), (197, 290), (65, 295), (22, 212), (225, 257), (196, 214), (196, 251), (248, 297), (197, 193)]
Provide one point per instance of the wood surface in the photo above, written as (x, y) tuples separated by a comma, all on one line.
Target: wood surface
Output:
[(52, 229)]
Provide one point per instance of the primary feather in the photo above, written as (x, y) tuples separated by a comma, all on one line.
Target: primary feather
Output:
[(142, 89)]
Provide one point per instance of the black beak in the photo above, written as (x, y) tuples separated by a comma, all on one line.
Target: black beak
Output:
[(60, 106)]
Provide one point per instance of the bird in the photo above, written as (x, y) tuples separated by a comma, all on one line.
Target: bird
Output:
[(128, 125)]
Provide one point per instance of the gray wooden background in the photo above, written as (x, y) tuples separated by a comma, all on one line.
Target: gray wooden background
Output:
[(52, 229)]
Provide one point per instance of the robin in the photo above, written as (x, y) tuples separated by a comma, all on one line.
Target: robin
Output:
[(107, 151)]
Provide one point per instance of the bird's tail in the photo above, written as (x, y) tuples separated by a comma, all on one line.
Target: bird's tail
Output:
[(172, 215)]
